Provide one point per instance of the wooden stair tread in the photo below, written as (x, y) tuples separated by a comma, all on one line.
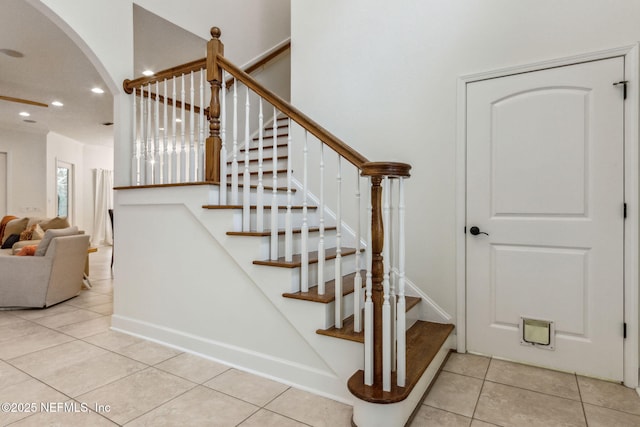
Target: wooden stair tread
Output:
[(268, 160), (424, 340), (330, 290), (297, 207), (267, 173), (281, 232), (267, 147), (297, 258), (266, 187), (280, 135), (347, 332)]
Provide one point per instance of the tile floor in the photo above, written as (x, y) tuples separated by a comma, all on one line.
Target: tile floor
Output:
[(66, 359)]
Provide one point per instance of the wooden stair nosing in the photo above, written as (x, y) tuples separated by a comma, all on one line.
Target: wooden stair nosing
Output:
[(347, 332), (264, 160), (265, 172), (265, 187), (297, 259), (424, 341), (280, 135), (266, 207), (330, 290), (281, 232)]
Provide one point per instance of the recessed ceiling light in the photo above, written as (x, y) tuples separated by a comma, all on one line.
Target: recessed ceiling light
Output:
[(148, 73), (97, 90), (178, 120), (57, 103), (12, 53), (24, 114)]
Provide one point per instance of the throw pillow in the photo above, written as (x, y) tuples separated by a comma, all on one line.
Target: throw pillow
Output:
[(15, 226), (50, 234), (55, 223), (27, 233), (38, 232), (27, 250), (3, 224), (11, 240)]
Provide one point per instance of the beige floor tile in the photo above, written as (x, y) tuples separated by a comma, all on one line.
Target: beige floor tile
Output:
[(37, 313), (248, 387), (45, 362), (511, 406), (264, 418), (40, 339), (91, 374), (90, 298), (532, 378), (193, 368), (79, 418), (602, 417), (198, 407), (609, 395), (9, 332), (454, 393), (87, 328), (478, 423), (312, 409), (10, 375), (8, 317), (467, 364), (104, 287), (428, 416), (106, 309), (112, 340), (148, 352), (30, 391), (137, 394), (58, 320)]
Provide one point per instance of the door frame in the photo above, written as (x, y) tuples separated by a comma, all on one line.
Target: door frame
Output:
[(631, 362)]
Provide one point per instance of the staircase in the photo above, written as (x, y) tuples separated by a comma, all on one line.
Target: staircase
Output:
[(387, 360)]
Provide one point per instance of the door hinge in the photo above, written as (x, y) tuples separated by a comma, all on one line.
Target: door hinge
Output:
[(625, 210), (624, 87), (465, 230), (624, 330)]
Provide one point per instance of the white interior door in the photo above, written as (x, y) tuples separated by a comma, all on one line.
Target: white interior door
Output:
[(545, 182)]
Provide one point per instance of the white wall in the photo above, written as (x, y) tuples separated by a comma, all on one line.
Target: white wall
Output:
[(385, 78), (26, 171)]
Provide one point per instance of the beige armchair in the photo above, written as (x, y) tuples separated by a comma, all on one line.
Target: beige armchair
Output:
[(41, 281)]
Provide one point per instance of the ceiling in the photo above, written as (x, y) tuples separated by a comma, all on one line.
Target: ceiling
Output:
[(54, 68)]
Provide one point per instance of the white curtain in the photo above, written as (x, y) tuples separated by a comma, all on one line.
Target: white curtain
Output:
[(103, 201)]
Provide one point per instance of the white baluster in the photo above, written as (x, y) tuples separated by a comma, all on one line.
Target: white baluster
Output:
[(135, 144), (321, 253), (246, 182), (156, 130), (143, 140), (391, 263), (274, 193), (183, 139), (338, 260), (200, 157), (260, 189), (368, 304), (192, 135), (165, 137), (304, 273), (223, 138), (174, 145), (401, 310), (234, 162), (288, 226), (149, 148), (357, 280), (386, 307)]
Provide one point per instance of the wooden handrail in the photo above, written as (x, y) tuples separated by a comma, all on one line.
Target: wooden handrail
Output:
[(262, 61), (160, 98), (296, 115), (177, 71)]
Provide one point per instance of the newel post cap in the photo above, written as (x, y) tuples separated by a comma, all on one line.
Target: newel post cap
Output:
[(390, 169), (215, 32)]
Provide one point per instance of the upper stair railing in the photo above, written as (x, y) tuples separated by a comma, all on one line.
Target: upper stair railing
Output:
[(162, 156)]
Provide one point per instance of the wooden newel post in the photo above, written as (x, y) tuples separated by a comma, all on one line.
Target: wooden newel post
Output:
[(377, 171), (214, 76)]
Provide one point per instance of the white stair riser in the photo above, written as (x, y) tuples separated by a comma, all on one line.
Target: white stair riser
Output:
[(348, 266), (267, 166), (313, 239)]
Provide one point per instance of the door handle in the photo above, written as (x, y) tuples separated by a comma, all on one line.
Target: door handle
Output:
[(475, 231)]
